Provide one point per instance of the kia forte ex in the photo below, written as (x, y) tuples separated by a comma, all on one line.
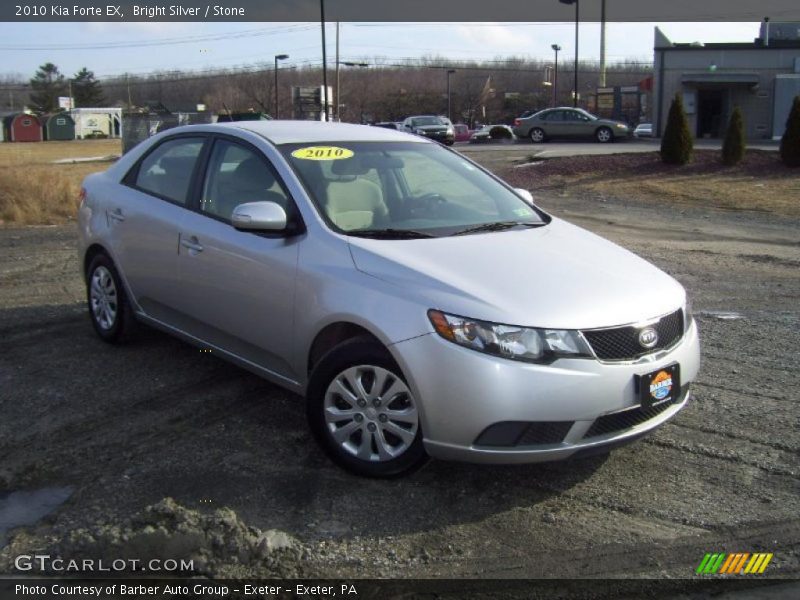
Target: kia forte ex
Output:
[(420, 305)]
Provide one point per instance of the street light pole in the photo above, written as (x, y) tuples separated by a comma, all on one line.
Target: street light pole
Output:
[(277, 58), (577, 21), (602, 43), (555, 48), (449, 73)]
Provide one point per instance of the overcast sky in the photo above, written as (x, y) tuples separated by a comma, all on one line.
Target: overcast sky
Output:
[(145, 47)]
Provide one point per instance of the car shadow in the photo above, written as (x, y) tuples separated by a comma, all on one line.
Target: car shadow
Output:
[(129, 425)]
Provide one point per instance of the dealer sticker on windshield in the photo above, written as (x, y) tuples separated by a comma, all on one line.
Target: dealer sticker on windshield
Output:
[(322, 153)]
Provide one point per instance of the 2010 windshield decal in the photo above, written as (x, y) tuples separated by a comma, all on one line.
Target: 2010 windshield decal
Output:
[(322, 153)]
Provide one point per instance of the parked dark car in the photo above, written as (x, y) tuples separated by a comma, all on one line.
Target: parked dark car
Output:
[(431, 126)]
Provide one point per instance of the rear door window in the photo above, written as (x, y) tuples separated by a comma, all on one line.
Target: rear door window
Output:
[(167, 171)]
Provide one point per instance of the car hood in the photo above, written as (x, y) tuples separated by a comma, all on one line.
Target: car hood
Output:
[(556, 276)]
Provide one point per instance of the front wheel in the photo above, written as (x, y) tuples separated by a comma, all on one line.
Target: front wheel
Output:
[(604, 135), (108, 304), (363, 413), (537, 135)]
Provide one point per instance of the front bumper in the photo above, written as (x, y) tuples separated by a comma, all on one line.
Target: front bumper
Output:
[(460, 393), (439, 136)]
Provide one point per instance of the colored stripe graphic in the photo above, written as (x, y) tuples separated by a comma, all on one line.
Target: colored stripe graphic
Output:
[(736, 563), (710, 563)]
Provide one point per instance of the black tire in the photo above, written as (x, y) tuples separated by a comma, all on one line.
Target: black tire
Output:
[(367, 353), (537, 135), (604, 135), (103, 273)]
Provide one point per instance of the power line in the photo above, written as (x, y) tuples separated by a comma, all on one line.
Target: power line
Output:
[(162, 41)]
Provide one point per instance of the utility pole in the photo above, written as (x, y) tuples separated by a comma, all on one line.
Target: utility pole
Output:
[(324, 62), (337, 97), (577, 21)]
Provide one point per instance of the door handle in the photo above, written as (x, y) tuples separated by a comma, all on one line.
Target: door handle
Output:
[(192, 244), (116, 215)]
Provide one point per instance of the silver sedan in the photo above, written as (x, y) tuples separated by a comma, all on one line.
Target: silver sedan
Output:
[(569, 123), (422, 306)]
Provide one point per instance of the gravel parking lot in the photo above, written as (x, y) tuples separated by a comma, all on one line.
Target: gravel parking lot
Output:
[(124, 428)]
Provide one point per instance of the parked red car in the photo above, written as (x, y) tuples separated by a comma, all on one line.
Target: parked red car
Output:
[(462, 132)]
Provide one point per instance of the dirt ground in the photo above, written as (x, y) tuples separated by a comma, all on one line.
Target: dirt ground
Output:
[(160, 449), (125, 428)]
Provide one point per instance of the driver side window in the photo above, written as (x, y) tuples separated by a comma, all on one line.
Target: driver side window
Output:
[(236, 175)]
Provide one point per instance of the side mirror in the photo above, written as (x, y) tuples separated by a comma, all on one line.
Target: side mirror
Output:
[(525, 195), (259, 216)]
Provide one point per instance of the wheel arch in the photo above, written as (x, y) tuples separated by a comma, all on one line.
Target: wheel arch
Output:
[(88, 256), (331, 336)]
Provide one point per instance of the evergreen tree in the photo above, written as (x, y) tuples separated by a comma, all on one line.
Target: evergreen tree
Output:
[(790, 142), (86, 90), (47, 85), (677, 144), (733, 146)]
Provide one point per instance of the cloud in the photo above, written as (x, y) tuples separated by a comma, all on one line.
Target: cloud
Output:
[(493, 35)]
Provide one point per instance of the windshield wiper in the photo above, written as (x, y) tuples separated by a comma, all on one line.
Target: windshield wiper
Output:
[(497, 226), (391, 234)]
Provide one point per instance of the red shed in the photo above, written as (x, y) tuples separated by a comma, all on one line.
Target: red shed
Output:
[(24, 128)]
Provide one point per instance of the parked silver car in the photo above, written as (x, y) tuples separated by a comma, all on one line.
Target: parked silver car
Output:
[(643, 130), (568, 123), (421, 305)]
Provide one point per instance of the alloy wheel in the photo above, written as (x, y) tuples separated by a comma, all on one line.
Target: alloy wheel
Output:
[(370, 413), (103, 298)]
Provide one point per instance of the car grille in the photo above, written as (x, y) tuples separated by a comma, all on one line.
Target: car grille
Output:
[(626, 419), (524, 433), (622, 343)]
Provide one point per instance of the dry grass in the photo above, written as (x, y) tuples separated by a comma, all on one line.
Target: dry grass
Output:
[(760, 183), (33, 191)]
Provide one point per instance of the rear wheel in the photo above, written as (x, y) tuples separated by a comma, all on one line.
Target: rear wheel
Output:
[(537, 135), (108, 304), (363, 413), (604, 135)]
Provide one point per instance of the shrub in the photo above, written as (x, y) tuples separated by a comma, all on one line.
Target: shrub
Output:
[(733, 146), (677, 144), (790, 142)]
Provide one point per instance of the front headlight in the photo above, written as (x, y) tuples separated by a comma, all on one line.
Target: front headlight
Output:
[(451, 131), (419, 131), (509, 341), (621, 126)]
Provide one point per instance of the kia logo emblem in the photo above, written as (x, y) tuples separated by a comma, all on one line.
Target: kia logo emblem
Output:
[(648, 337)]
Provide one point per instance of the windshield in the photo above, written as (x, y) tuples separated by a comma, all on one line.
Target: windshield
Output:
[(423, 121), (400, 188)]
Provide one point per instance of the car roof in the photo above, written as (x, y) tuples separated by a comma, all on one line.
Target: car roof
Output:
[(297, 132)]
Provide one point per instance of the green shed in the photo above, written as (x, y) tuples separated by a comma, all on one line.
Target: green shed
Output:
[(59, 127)]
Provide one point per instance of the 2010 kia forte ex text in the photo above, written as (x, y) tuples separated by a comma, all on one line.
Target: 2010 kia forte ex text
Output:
[(421, 305)]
